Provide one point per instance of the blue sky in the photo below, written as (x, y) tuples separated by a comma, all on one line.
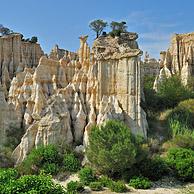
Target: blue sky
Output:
[(63, 21)]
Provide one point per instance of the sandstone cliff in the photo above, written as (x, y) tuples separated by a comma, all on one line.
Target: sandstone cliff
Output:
[(178, 59), (59, 100), (15, 55)]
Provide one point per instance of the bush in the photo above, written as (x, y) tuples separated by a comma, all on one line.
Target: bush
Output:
[(86, 176), (140, 183), (153, 168), (40, 184), (7, 175), (39, 158), (111, 148), (181, 160), (118, 187), (105, 181), (74, 186), (71, 163), (96, 186), (50, 168), (172, 91)]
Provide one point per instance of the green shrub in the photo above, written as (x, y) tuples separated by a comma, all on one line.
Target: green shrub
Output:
[(111, 148), (181, 160), (86, 176), (140, 183), (7, 175), (74, 186), (39, 157), (96, 186), (153, 168), (40, 184), (50, 168), (71, 163), (118, 187), (183, 141), (172, 91), (105, 181)]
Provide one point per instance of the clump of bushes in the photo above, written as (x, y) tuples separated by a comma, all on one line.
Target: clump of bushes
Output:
[(118, 187), (111, 148), (71, 163), (10, 182), (140, 183), (44, 157), (181, 160), (105, 181), (75, 187), (50, 159), (153, 168), (96, 186), (86, 175)]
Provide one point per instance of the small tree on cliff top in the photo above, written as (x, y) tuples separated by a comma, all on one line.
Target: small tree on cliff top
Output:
[(98, 26), (4, 30)]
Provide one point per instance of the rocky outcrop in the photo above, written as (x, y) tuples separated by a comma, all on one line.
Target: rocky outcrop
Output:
[(15, 55), (150, 66), (66, 94), (179, 58)]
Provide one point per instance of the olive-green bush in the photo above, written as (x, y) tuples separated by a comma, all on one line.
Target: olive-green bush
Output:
[(140, 183), (74, 187), (96, 186), (44, 157), (111, 147), (118, 187), (86, 175), (11, 183), (71, 163), (181, 160)]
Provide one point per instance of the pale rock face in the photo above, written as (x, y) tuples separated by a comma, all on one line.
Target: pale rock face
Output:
[(64, 96), (179, 58), (15, 55)]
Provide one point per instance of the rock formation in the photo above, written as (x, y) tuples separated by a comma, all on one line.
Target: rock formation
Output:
[(151, 66), (179, 58), (15, 55), (58, 100)]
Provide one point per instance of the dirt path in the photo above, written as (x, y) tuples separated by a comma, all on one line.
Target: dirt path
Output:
[(164, 186)]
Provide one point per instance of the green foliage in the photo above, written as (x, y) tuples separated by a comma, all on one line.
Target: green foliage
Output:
[(34, 39), (172, 91), (117, 28), (86, 176), (111, 147), (40, 184), (50, 168), (96, 186), (74, 187), (118, 187), (4, 31), (7, 175), (140, 183), (105, 181), (181, 160), (44, 157), (71, 162), (153, 168), (98, 26)]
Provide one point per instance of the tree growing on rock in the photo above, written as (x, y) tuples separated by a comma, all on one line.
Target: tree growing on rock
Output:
[(98, 26), (118, 28), (4, 31), (34, 39)]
